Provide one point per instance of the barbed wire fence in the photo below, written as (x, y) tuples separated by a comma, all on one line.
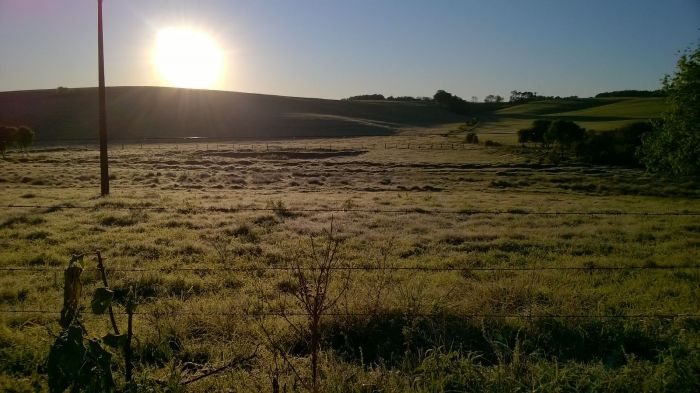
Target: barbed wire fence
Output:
[(404, 211), (590, 267), (149, 312), (269, 144)]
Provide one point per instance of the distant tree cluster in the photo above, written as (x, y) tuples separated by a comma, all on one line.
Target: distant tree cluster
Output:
[(563, 135), (520, 96), (452, 102), (408, 99), (367, 97), (22, 136), (524, 96), (632, 93), (380, 97), (615, 147), (491, 98)]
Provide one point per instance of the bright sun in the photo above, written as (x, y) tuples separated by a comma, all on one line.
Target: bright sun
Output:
[(188, 58)]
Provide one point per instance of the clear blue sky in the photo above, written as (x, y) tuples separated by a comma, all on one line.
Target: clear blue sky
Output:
[(334, 49)]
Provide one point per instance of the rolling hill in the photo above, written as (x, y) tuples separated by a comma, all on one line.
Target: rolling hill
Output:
[(591, 113), (158, 112)]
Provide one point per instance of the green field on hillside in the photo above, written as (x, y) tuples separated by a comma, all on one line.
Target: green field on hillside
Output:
[(630, 108), (598, 114)]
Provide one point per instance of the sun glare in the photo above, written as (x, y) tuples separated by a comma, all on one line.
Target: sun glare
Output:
[(185, 57)]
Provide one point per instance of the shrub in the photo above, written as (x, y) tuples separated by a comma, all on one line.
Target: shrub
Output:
[(674, 146), (472, 138)]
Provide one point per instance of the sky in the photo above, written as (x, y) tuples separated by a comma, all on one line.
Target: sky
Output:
[(335, 49)]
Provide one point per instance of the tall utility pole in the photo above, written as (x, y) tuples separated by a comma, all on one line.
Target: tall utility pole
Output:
[(104, 163)]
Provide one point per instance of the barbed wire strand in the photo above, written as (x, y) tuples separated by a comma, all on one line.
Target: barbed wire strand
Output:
[(361, 314), (191, 210), (360, 268)]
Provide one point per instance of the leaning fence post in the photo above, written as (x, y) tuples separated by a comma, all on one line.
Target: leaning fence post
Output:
[(103, 274)]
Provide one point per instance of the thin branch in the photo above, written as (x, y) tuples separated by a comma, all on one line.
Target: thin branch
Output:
[(232, 363)]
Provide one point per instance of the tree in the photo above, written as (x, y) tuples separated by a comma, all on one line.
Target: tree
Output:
[(490, 98), (564, 134), (8, 136), (674, 145), (451, 102), (442, 97), (518, 96), (24, 137)]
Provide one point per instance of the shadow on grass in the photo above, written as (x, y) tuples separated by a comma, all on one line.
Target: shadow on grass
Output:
[(389, 338)]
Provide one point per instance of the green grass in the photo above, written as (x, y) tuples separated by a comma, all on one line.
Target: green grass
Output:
[(548, 107), (633, 108), (598, 114), (385, 346)]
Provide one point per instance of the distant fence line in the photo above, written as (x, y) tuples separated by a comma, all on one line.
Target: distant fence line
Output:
[(232, 139), (465, 212), (245, 314), (33, 269), (260, 147), (270, 143)]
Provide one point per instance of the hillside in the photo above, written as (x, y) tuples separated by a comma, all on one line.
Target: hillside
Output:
[(636, 108), (545, 107), (590, 113), (157, 112)]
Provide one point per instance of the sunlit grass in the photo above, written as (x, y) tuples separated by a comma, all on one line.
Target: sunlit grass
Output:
[(399, 352)]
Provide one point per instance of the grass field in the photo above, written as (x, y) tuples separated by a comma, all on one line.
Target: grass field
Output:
[(491, 227), (600, 114)]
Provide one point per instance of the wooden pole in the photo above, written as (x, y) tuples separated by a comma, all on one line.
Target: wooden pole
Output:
[(104, 163)]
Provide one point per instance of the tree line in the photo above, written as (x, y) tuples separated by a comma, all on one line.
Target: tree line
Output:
[(22, 137), (631, 94), (441, 97), (380, 97)]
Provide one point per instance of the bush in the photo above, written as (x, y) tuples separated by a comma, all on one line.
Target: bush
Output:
[(472, 138), (674, 145)]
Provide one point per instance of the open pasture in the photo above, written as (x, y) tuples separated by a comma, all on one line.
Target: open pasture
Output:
[(465, 268), (599, 114)]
